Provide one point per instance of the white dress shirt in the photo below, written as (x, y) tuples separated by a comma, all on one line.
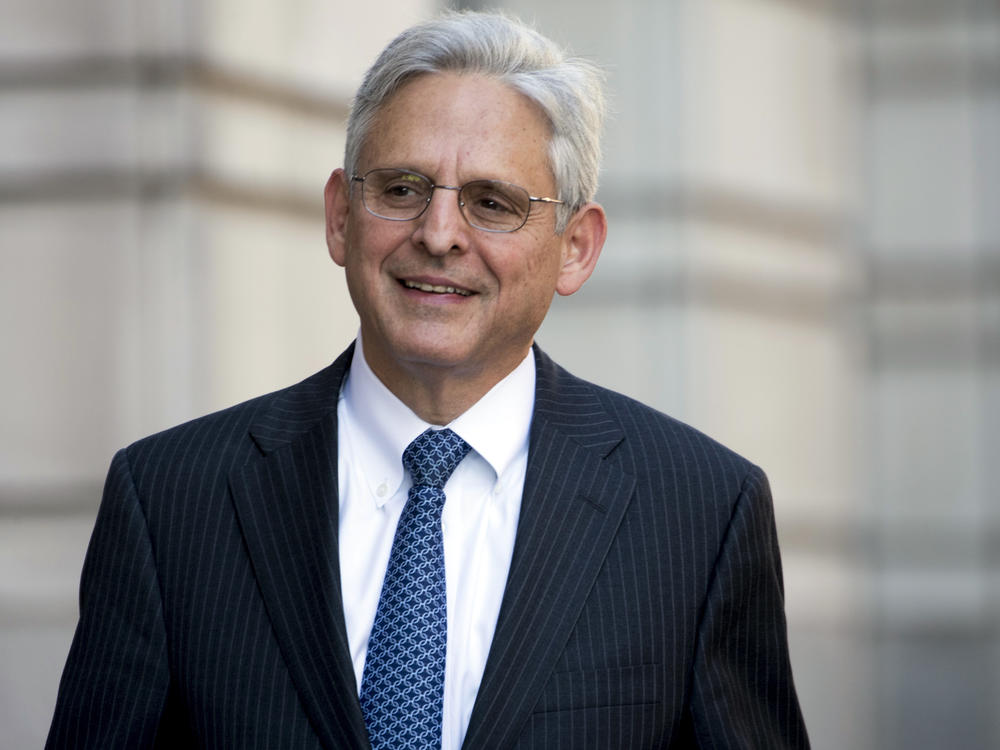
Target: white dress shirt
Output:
[(479, 520)]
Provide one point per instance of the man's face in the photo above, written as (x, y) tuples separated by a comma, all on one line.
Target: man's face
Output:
[(496, 287)]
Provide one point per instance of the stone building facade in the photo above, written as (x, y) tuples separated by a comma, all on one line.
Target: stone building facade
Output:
[(804, 262)]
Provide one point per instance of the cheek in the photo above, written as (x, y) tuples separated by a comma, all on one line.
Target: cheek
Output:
[(528, 284), (369, 247), (532, 259), (542, 266)]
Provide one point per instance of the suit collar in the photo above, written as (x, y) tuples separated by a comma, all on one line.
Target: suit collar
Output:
[(295, 411), (573, 408)]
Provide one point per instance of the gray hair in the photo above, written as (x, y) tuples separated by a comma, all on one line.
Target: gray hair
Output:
[(568, 91)]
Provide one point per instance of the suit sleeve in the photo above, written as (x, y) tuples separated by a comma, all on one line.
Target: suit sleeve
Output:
[(115, 682), (743, 694)]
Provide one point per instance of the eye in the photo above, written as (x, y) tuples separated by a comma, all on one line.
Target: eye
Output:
[(493, 204), (404, 186), (398, 191), (397, 188), (490, 198)]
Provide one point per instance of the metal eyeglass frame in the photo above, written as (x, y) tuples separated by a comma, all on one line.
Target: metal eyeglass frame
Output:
[(458, 189)]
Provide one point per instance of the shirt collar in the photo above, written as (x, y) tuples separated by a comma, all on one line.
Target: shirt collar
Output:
[(381, 426)]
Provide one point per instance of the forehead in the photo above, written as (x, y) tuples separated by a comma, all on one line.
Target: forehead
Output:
[(454, 126)]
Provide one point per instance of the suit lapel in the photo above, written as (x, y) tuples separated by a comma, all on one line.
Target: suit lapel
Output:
[(571, 508), (286, 502)]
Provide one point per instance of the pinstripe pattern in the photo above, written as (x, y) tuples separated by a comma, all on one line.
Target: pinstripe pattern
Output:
[(643, 606)]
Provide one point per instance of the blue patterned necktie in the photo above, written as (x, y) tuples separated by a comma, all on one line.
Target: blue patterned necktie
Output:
[(402, 687)]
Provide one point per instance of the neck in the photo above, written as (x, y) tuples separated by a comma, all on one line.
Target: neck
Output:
[(438, 394)]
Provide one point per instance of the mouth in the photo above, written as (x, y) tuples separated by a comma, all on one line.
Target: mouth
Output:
[(435, 288)]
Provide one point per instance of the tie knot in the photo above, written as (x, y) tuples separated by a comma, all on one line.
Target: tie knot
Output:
[(433, 456)]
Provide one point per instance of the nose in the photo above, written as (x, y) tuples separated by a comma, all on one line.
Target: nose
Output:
[(442, 227)]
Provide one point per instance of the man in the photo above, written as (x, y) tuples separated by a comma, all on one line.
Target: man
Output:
[(443, 539)]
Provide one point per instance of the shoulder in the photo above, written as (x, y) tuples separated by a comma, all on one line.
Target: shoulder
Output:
[(231, 435), (651, 441), (657, 439)]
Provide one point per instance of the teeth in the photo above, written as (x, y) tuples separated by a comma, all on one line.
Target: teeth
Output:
[(436, 289)]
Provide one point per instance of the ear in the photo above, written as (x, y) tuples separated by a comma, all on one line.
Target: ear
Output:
[(582, 242), (337, 199)]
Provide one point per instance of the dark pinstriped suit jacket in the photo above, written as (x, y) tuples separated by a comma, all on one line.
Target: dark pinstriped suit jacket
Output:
[(643, 606)]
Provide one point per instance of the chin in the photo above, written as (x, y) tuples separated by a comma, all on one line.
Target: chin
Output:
[(436, 356)]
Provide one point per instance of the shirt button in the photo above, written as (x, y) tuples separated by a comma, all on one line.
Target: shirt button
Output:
[(382, 489)]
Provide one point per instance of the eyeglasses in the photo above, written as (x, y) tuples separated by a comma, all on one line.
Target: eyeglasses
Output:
[(490, 205)]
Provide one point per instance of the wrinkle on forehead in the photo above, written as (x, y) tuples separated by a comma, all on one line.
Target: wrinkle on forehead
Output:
[(457, 127)]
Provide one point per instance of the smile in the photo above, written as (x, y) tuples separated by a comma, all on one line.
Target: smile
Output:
[(434, 289)]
